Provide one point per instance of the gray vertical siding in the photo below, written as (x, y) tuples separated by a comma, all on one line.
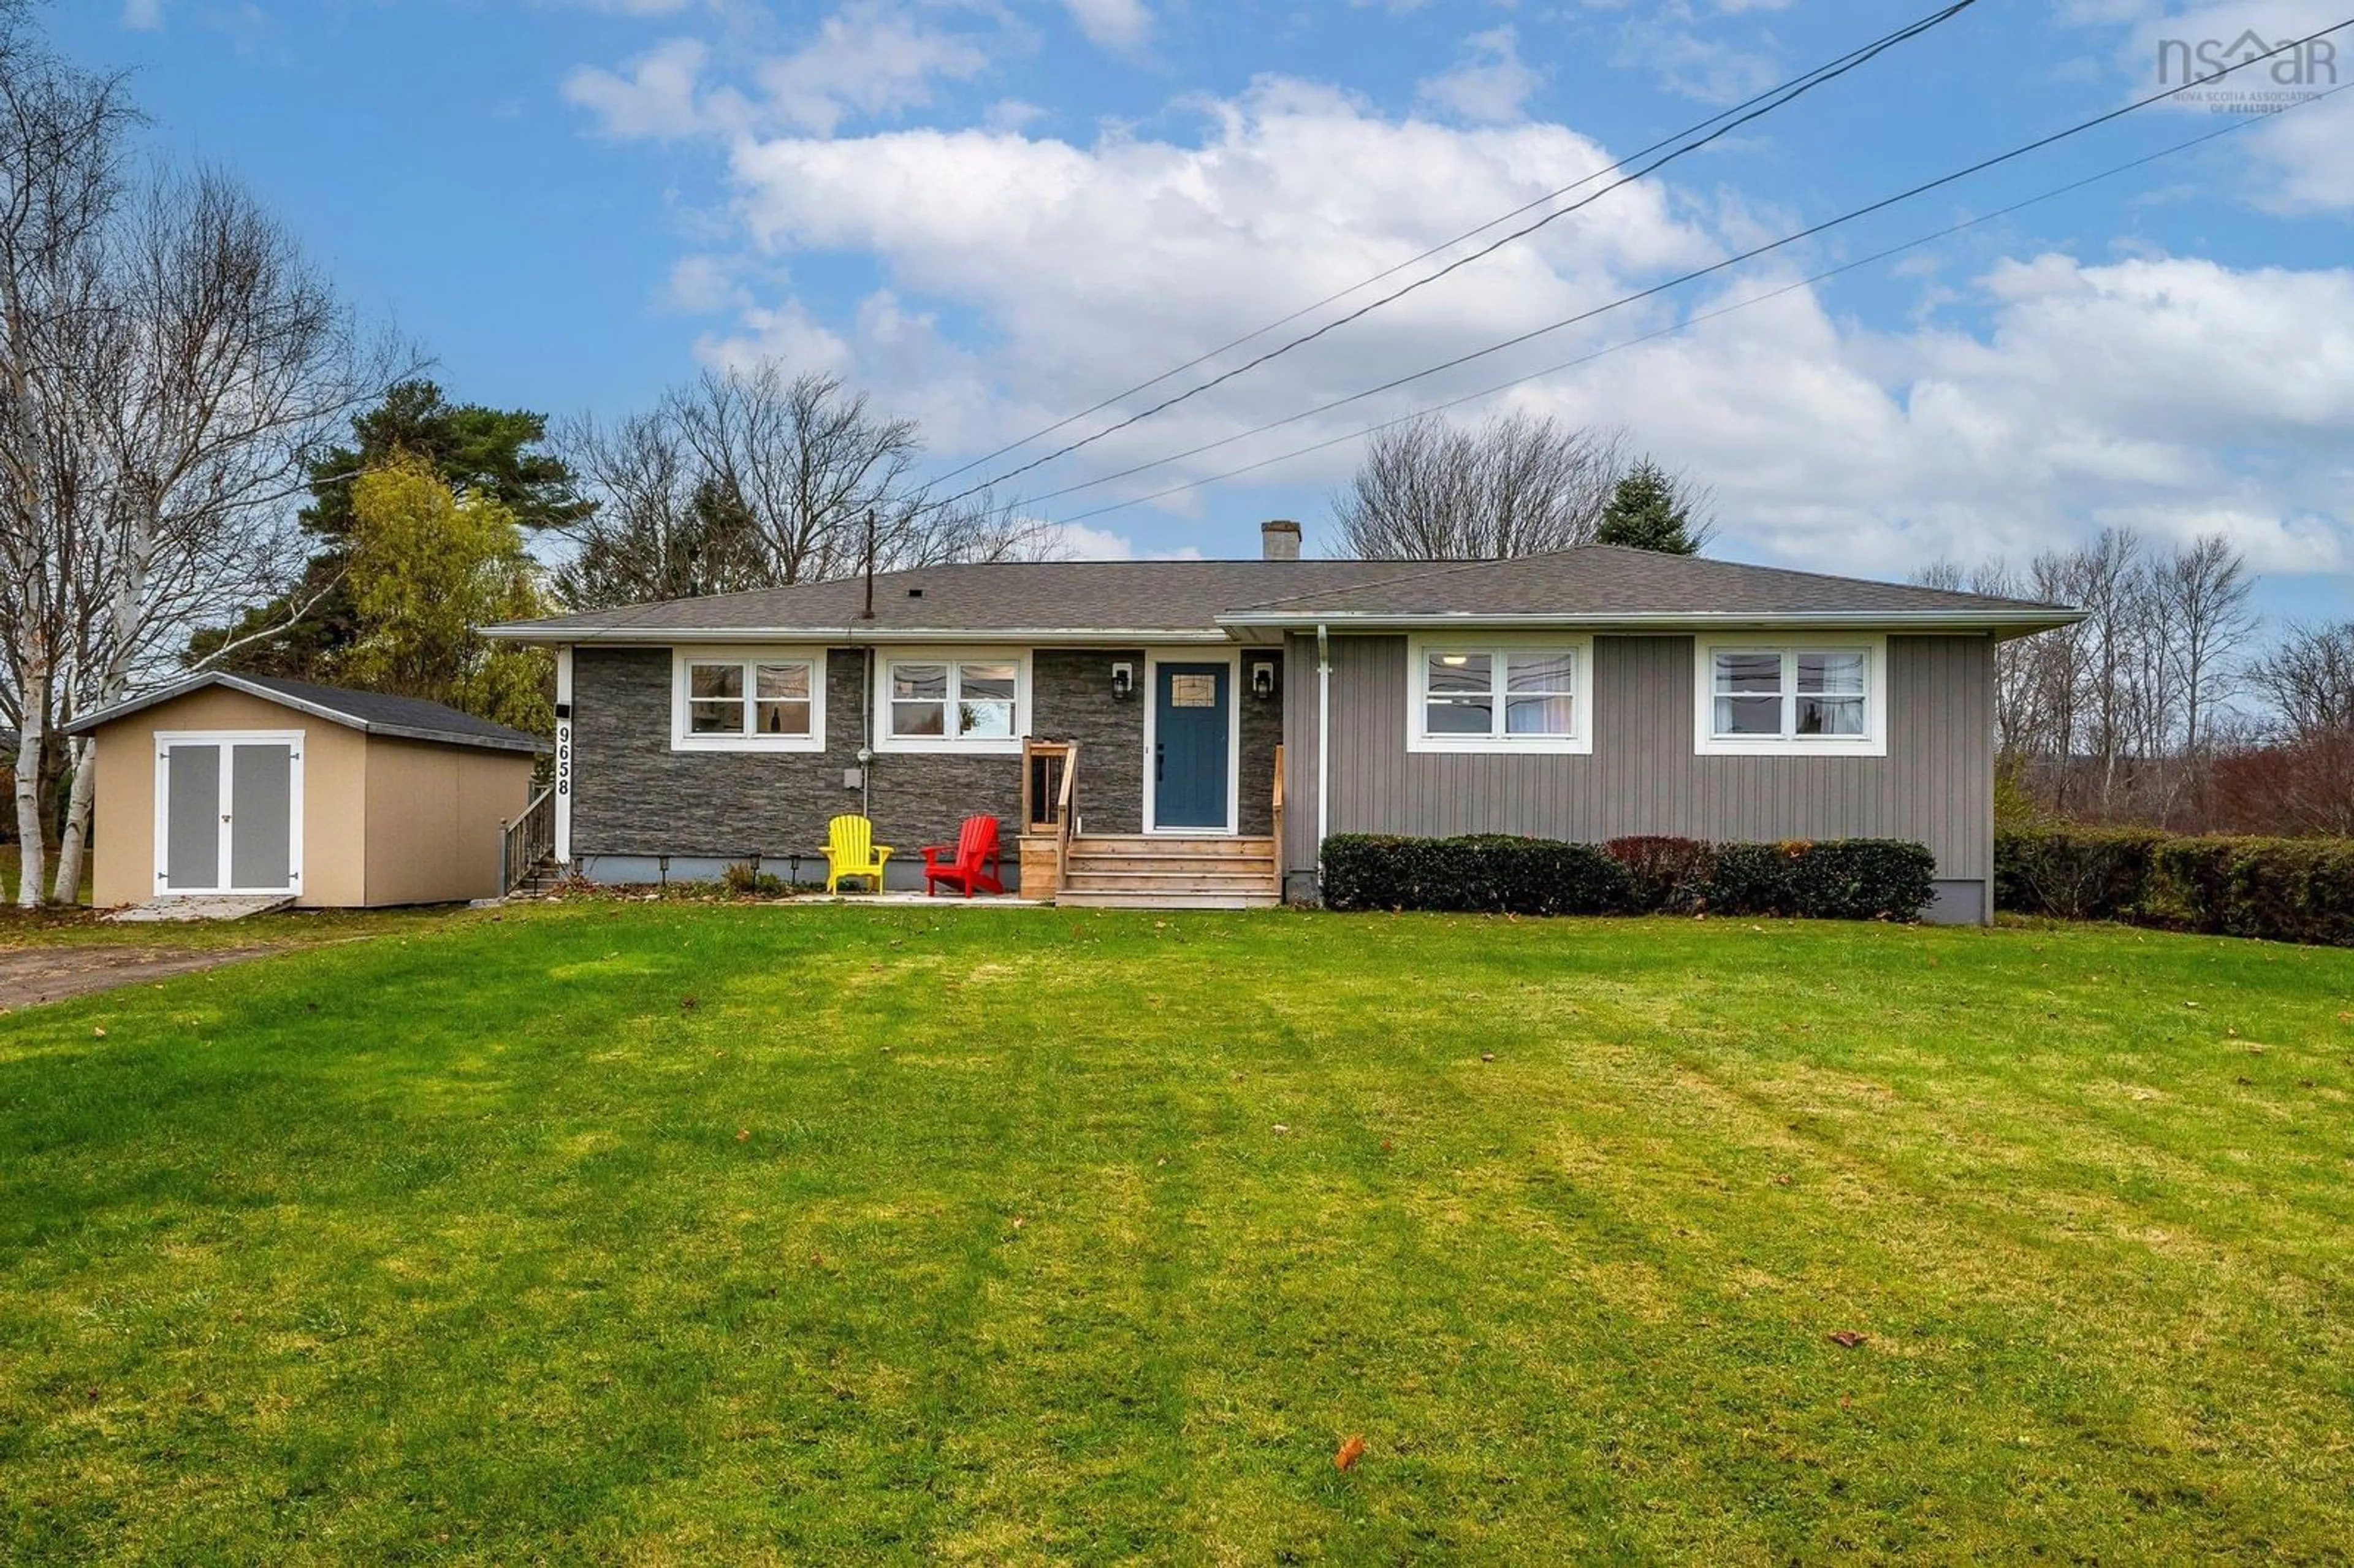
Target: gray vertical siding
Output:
[(1934, 787)]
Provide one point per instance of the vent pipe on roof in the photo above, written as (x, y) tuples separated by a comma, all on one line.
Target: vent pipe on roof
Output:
[(1279, 540)]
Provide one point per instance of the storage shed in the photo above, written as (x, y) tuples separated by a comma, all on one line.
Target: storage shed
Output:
[(248, 785)]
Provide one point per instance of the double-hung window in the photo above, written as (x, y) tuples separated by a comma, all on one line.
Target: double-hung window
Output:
[(952, 702), (1799, 699), (1500, 696), (747, 700)]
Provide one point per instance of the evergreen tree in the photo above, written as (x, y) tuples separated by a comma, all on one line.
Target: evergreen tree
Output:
[(489, 454), (1649, 511)]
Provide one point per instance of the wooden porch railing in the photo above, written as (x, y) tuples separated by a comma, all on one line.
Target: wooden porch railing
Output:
[(1044, 763), (1277, 824), (1066, 815), (1050, 784), (526, 840)]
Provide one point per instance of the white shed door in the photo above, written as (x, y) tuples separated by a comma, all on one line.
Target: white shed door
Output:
[(228, 813)]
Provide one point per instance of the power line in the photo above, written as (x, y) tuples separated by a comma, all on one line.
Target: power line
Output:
[(1713, 267), (1669, 331), (1726, 128), (1852, 55)]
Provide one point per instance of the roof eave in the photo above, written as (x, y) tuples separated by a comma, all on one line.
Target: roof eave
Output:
[(2002, 623), (855, 636), (177, 689)]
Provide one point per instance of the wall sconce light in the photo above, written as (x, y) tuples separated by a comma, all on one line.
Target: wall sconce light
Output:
[(1123, 682), (1262, 679)]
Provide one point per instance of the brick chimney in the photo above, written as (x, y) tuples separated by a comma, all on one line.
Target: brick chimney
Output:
[(1279, 540)]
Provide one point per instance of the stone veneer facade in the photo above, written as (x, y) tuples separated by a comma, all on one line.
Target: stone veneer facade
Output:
[(635, 798)]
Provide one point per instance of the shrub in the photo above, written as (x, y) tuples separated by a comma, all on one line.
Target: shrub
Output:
[(1840, 879), (1754, 879), (1668, 874), (1487, 873), (741, 878), (2289, 890), (2075, 873)]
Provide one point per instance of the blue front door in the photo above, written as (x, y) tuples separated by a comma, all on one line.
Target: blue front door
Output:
[(1189, 745)]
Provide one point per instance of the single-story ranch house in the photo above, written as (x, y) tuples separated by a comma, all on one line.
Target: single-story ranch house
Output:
[(1190, 732)]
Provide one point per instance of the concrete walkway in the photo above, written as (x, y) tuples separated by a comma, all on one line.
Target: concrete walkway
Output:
[(200, 906)]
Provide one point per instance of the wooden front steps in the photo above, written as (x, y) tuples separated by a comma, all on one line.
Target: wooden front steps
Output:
[(1153, 870)]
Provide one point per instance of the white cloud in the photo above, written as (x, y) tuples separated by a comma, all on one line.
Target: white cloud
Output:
[(142, 16), (2298, 157), (2173, 393), (657, 95), (1121, 25), (869, 59), (703, 285), (1489, 82), (1078, 542)]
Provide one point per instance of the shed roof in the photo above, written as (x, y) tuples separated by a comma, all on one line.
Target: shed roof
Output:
[(371, 713)]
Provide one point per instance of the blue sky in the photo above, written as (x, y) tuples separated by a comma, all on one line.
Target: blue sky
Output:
[(990, 215)]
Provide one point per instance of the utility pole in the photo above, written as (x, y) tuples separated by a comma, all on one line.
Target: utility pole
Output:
[(868, 613)]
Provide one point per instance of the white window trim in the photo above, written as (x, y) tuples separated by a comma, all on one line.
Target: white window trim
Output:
[(959, 746), (1578, 742), (1872, 742), (748, 653), (292, 739), (1232, 659)]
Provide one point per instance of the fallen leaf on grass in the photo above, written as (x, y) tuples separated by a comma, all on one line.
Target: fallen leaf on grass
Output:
[(1281, 1129), (1848, 1337), (1352, 1450), (742, 1133), (1781, 1178), (98, 1034)]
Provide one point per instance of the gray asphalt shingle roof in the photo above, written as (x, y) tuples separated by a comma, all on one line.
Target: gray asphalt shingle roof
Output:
[(1153, 595), (1604, 581), (1596, 581), (373, 712)]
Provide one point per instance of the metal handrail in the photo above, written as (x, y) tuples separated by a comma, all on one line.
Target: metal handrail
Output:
[(526, 840)]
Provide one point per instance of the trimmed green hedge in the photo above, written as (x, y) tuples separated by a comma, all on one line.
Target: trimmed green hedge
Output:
[(1840, 879), (2287, 890)]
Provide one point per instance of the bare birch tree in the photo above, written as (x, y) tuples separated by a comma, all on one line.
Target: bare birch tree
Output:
[(62, 135), (1517, 485), (228, 360)]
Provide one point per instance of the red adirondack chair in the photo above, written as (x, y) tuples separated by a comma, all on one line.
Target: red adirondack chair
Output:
[(976, 867)]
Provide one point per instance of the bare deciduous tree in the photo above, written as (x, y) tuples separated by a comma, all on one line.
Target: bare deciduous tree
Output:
[(228, 360), (60, 182), (2203, 589), (1517, 485), (746, 479), (2117, 718)]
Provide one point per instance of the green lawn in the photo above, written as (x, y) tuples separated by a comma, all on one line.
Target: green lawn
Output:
[(663, 1234), (10, 871)]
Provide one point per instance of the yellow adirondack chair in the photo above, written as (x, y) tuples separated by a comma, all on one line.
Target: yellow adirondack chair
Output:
[(851, 851)]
